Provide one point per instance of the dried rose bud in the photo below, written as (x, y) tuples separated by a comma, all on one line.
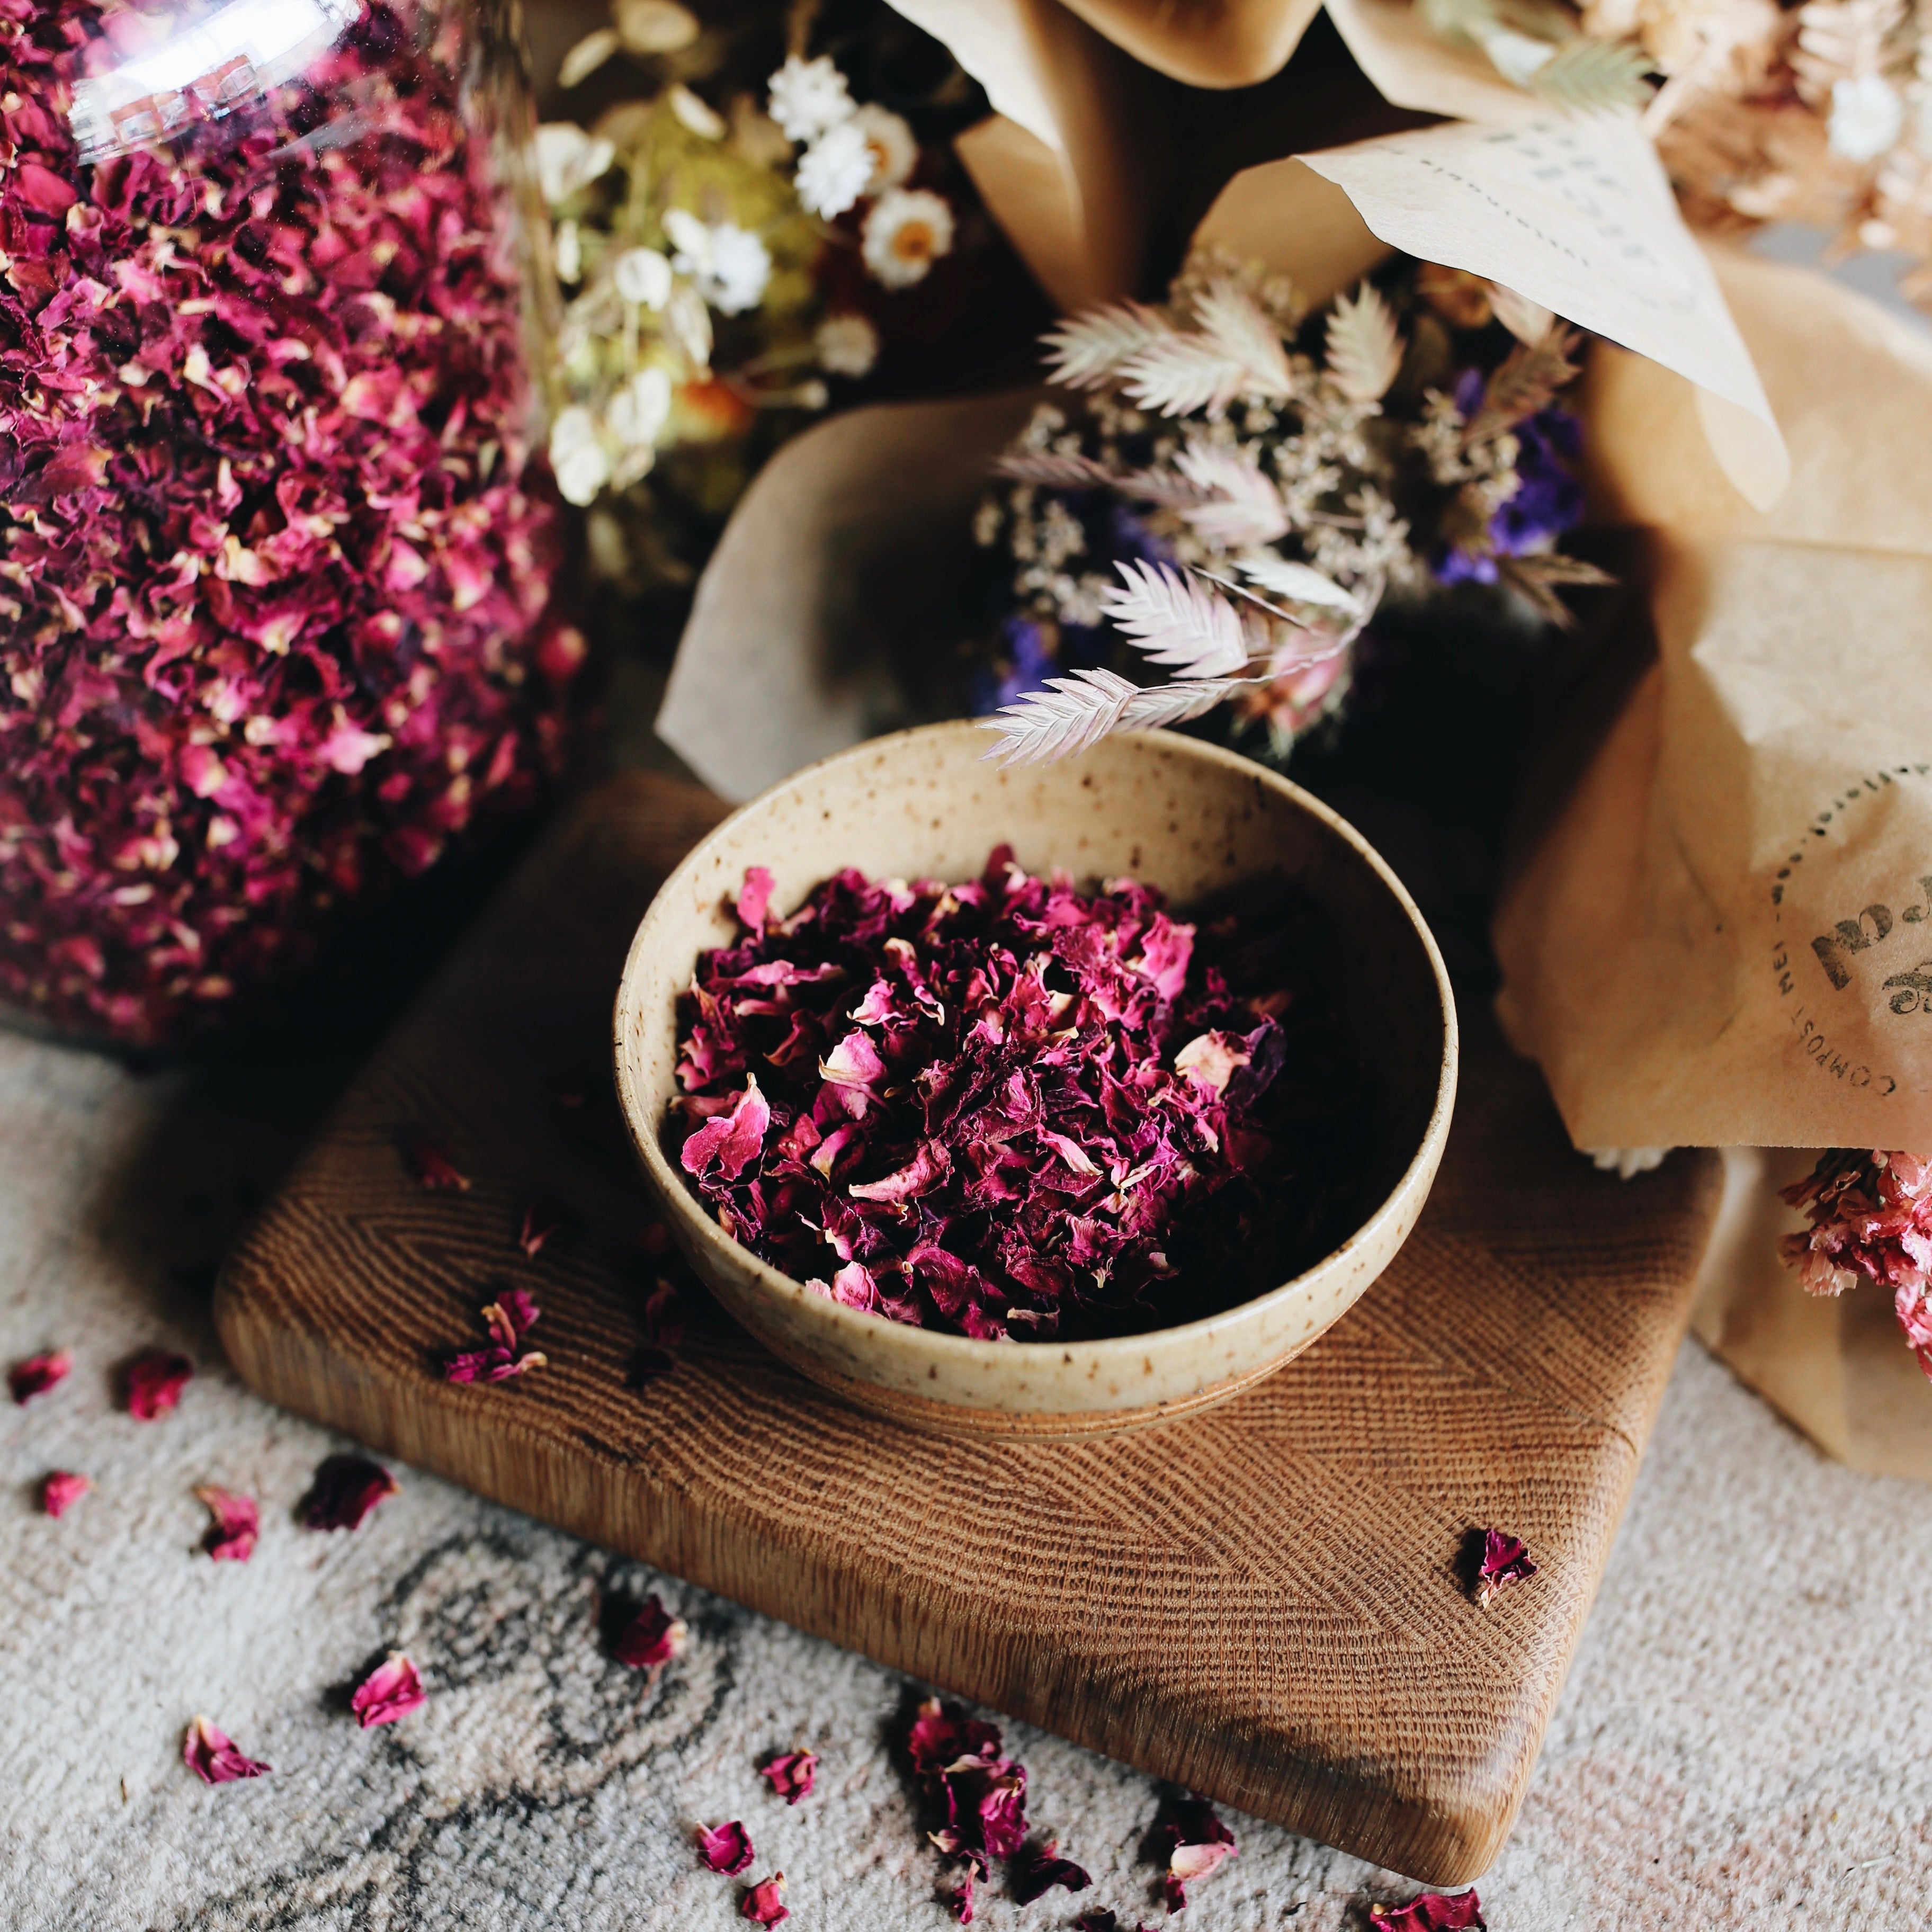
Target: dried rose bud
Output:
[(38, 1373), (154, 1384), (62, 1490), (1044, 1870), (1198, 1842), (1433, 1912), (725, 1848), (391, 1690), (231, 1536), (431, 1166), (345, 1489), (213, 1759), (791, 1774), (1505, 1562), (652, 1638), (764, 1902)]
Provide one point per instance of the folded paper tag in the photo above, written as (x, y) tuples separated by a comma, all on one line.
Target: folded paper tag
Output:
[(1574, 212), (1725, 935)]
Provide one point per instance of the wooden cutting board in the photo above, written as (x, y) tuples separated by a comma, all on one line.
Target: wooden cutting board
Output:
[(1268, 1604)]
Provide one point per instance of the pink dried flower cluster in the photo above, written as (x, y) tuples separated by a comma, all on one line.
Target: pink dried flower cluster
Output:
[(1433, 1912), (1000, 1108), (725, 1848), (981, 1791), (1871, 1216), (273, 575), (1197, 1842), (508, 1318)]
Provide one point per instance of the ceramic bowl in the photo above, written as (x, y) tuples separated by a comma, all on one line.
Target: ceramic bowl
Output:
[(1191, 819)]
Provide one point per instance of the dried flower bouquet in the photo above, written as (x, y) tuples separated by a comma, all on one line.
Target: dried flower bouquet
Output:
[(1235, 486)]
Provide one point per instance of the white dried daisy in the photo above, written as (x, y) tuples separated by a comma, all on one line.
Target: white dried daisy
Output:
[(729, 265), (809, 96), (906, 231), (576, 458), (639, 410), (642, 275), (890, 141), (569, 159), (834, 171), (848, 345), (1868, 117)]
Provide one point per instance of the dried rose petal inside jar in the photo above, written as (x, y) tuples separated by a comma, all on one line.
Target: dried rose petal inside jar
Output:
[(274, 561)]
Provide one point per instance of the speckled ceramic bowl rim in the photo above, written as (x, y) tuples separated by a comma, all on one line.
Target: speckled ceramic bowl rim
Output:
[(1117, 1353)]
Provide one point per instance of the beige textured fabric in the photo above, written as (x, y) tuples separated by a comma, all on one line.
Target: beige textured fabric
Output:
[(1746, 1737)]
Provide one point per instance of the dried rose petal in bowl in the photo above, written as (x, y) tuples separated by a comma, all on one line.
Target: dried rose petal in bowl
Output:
[(1005, 1108), (1162, 1133)]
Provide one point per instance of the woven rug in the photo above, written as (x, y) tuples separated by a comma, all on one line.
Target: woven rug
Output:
[(1746, 1737)]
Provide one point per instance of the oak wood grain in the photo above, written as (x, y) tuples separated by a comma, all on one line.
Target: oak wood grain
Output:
[(1263, 1602)]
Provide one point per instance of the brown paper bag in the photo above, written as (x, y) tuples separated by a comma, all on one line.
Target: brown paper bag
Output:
[(1724, 935)]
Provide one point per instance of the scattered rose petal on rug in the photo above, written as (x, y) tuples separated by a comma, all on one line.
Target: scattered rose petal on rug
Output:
[(430, 1167), (1433, 1912), (155, 1383), (541, 1226), (725, 1848), (391, 1690), (344, 1490), (960, 1898), (231, 1537), (764, 1902), (652, 1638), (792, 1774), (62, 1490), (984, 1792), (213, 1759), (1036, 1876), (38, 1373), (1198, 1842), (1504, 1561)]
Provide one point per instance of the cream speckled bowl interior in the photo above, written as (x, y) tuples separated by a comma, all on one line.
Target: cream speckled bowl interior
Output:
[(1194, 821)]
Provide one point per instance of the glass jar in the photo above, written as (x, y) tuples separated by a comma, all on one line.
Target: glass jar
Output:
[(274, 552)]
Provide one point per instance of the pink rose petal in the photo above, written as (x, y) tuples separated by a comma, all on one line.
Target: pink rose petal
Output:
[(764, 1904), (391, 1690), (1504, 1561), (37, 1374), (1433, 1912), (791, 1774), (231, 1537), (653, 1637), (214, 1759), (725, 1848), (343, 1491), (62, 1490), (154, 1382)]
